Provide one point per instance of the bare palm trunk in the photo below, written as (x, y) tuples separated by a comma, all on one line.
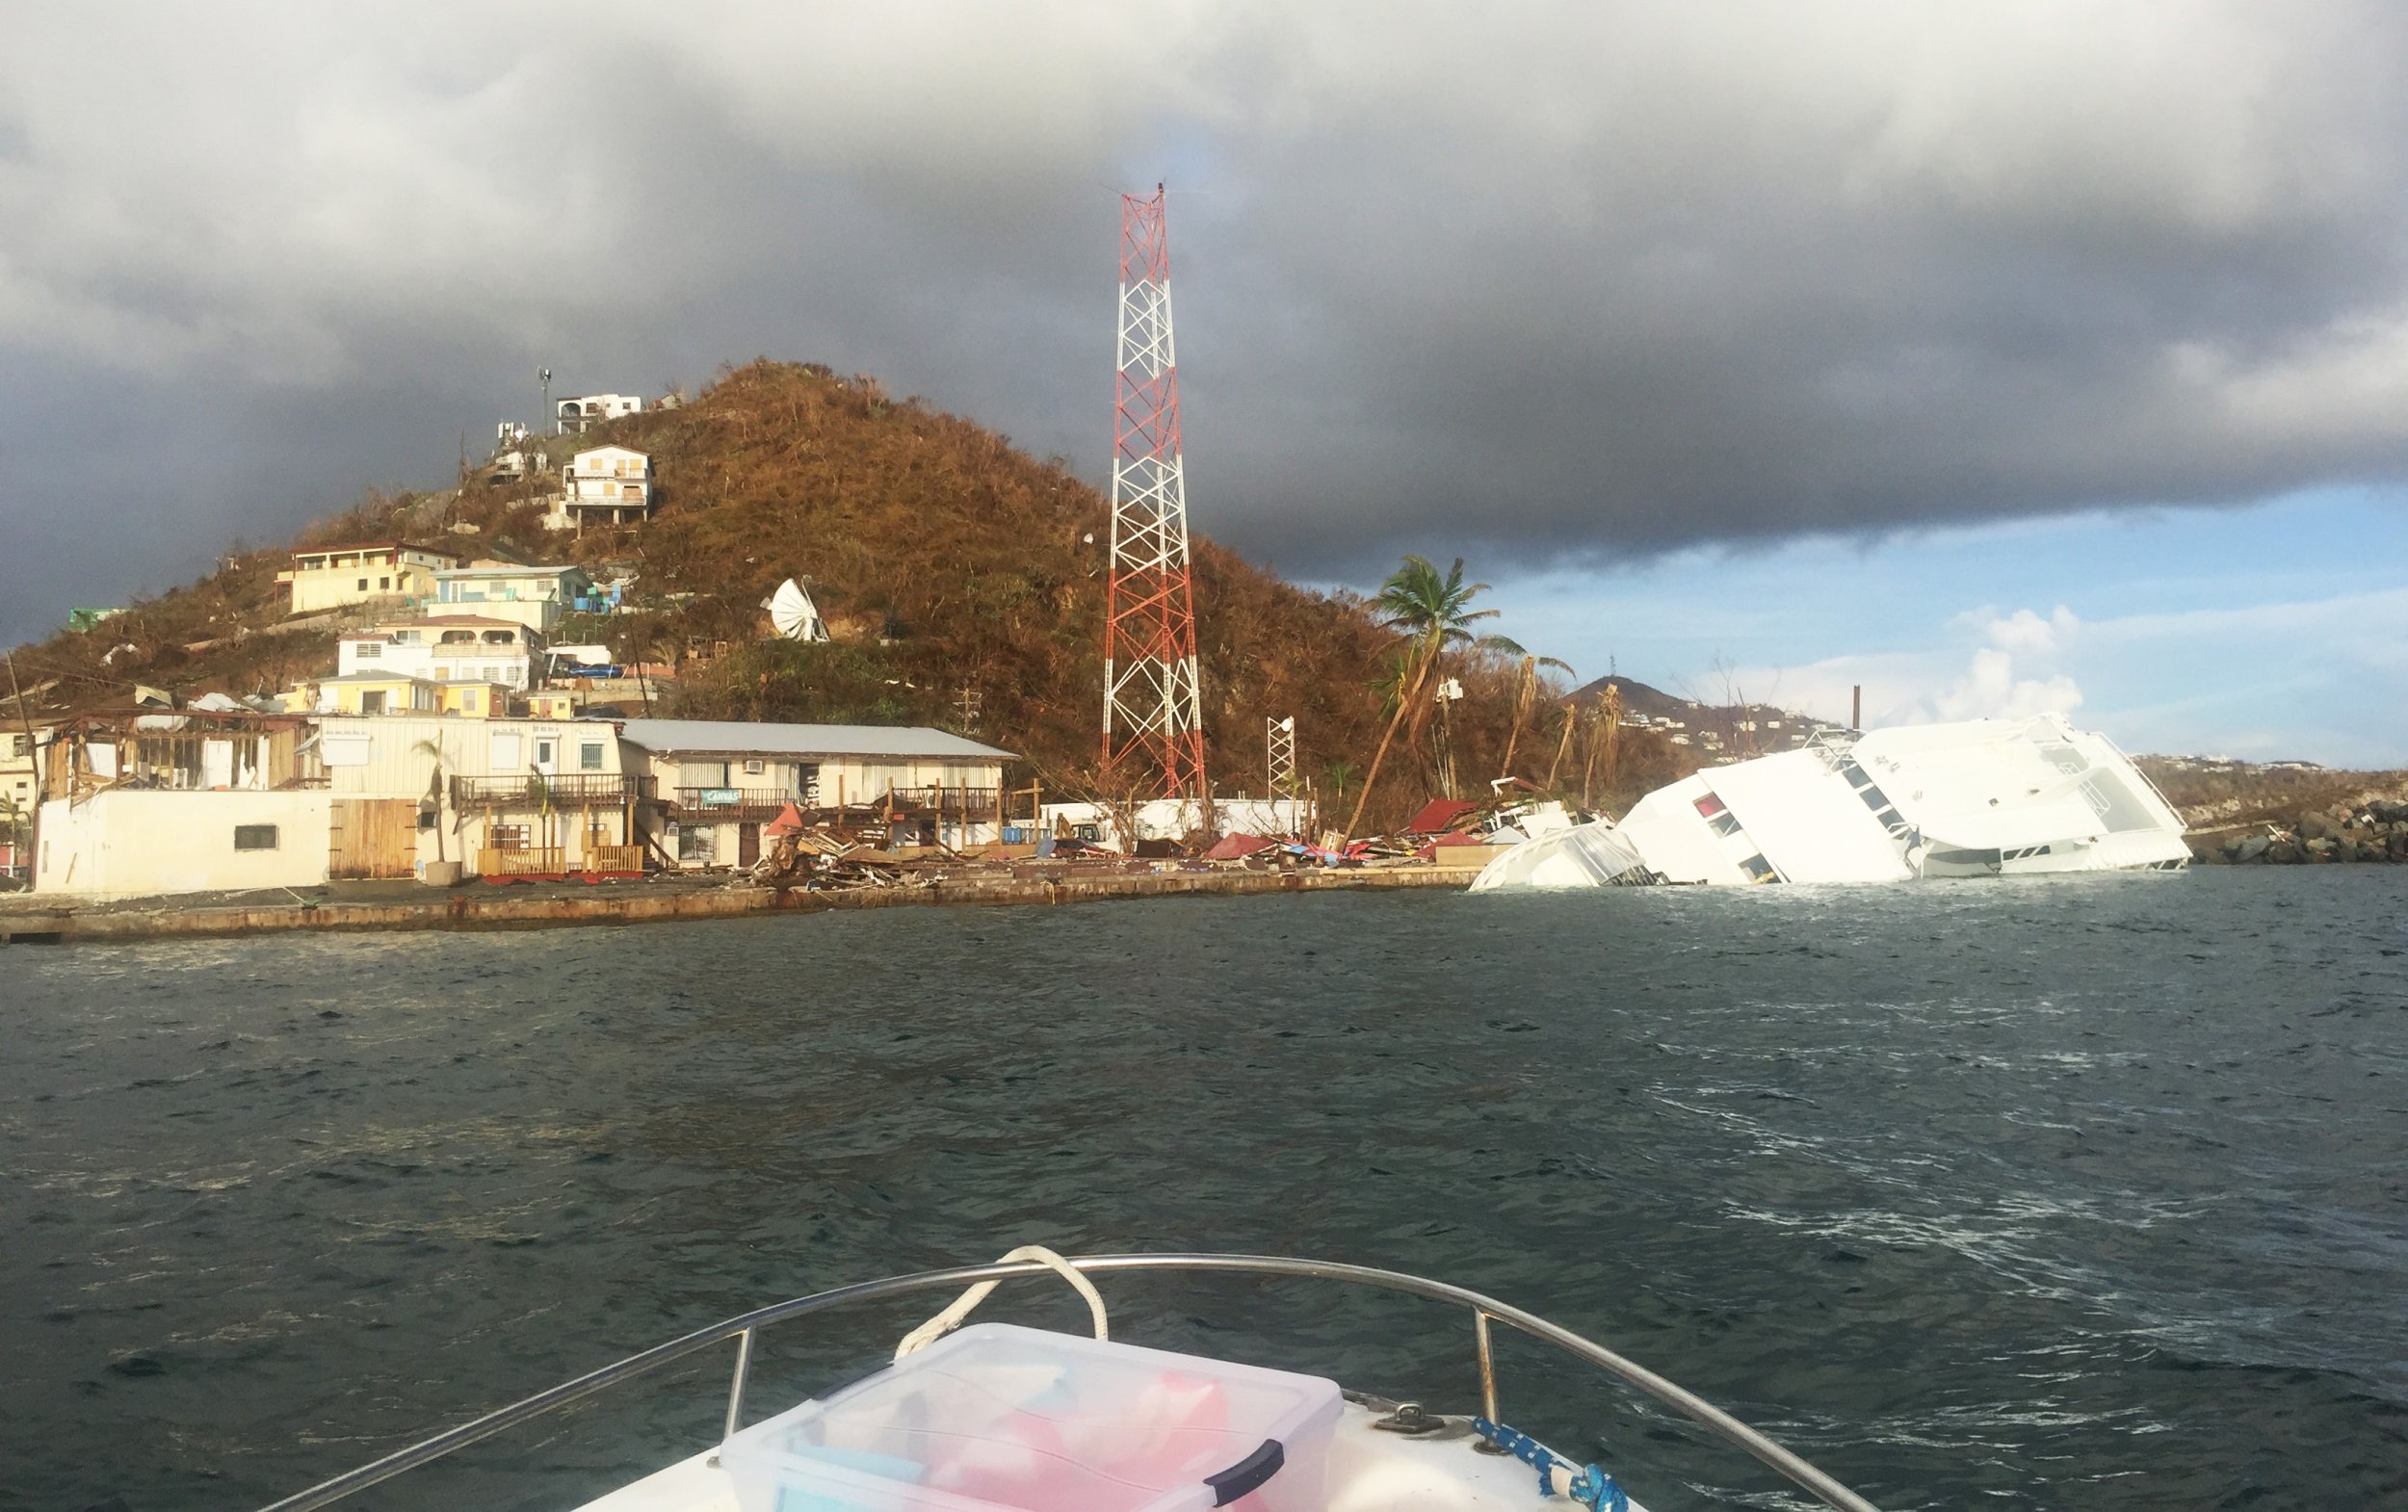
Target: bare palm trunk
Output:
[(1363, 794), (1571, 719), (1521, 712)]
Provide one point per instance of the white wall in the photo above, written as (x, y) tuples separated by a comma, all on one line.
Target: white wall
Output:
[(132, 844)]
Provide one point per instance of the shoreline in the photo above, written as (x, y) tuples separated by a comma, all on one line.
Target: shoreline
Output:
[(499, 909)]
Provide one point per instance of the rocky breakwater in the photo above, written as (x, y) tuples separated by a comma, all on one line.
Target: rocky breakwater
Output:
[(2374, 830)]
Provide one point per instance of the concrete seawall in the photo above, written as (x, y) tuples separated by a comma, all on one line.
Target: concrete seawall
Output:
[(498, 909)]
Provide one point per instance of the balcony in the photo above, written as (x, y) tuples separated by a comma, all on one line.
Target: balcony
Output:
[(563, 791), (968, 805), (731, 805)]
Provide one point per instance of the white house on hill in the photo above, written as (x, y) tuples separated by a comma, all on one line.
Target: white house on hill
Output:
[(590, 409), (605, 485)]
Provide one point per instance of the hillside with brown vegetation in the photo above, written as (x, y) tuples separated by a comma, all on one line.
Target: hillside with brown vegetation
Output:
[(947, 564)]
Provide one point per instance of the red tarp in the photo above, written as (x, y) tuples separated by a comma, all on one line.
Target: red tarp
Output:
[(1440, 815), (1231, 847)]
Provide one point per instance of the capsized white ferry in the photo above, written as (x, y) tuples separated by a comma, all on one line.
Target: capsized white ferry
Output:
[(1983, 797), (1002, 1418)]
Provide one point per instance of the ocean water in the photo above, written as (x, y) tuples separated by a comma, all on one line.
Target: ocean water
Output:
[(2086, 1193)]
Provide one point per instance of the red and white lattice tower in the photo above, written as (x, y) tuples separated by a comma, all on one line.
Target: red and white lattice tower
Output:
[(1153, 725)]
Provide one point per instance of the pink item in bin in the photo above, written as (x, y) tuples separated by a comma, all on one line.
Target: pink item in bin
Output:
[(1000, 1419)]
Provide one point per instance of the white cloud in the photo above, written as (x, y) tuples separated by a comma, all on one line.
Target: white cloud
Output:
[(2024, 632), (1990, 688)]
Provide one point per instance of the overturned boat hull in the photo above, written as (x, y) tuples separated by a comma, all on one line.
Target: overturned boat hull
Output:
[(1982, 798)]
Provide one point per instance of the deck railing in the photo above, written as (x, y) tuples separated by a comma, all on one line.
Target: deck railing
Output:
[(745, 1328), (612, 858), (729, 803), (532, 861), (565, 790), (965, 803)]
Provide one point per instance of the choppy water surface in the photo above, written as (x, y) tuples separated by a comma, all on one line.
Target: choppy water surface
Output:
[(2092, 1193)]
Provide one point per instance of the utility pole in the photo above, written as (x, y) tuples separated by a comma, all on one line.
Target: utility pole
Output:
[(545, 375), (1153, 705), (32, 759)]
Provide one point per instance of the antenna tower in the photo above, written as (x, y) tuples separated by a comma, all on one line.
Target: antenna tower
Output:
[(1153, 725), (1279, 734)]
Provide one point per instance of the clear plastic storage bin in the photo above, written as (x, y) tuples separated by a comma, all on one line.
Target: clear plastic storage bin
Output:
[(1001, 1417)]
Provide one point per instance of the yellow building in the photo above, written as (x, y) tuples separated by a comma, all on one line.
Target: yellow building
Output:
[(378, 692), (329, 577), (400, 693)]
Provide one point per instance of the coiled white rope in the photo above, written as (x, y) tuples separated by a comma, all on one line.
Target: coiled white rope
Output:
[(946, 1321)]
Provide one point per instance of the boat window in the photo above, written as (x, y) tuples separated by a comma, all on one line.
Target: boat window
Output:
[(1709, 806), (1875, 797), (1725, 823), (1759, 869)]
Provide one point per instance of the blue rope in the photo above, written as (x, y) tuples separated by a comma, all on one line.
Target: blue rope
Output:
[(1591, 1487)]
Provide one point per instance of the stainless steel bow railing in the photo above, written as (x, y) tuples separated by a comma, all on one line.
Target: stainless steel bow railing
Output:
[(745, 1328)]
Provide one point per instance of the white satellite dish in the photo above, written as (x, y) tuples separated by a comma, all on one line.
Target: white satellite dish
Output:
[(793, 612)]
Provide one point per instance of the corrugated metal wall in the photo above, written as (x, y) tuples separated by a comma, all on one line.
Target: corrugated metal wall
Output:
[(396, 768)]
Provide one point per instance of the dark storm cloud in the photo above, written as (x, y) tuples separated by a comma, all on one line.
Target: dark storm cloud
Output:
[(1544, 281)]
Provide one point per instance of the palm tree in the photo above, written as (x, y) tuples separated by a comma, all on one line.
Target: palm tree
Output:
[(1436, 615), (1525, 693), (434, 791)]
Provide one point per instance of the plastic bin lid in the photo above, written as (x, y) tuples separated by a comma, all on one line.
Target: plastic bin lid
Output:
[(998, 1415)]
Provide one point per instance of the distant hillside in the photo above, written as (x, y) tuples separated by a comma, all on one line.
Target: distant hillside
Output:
[(2217, 794), (1732, 728), (947, 562)]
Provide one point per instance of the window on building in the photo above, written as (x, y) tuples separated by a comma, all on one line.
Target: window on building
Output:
[(370, 650), (698, 845), (371, 701), (363, 584), (385, 582), (506, 837), (254, 837), (18, 746), (468, 701), (590, 756)]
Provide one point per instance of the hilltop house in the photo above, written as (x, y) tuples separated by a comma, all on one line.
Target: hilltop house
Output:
[(536, 597), (717, 782), (592, 409), (605, 485), (329, 576)]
